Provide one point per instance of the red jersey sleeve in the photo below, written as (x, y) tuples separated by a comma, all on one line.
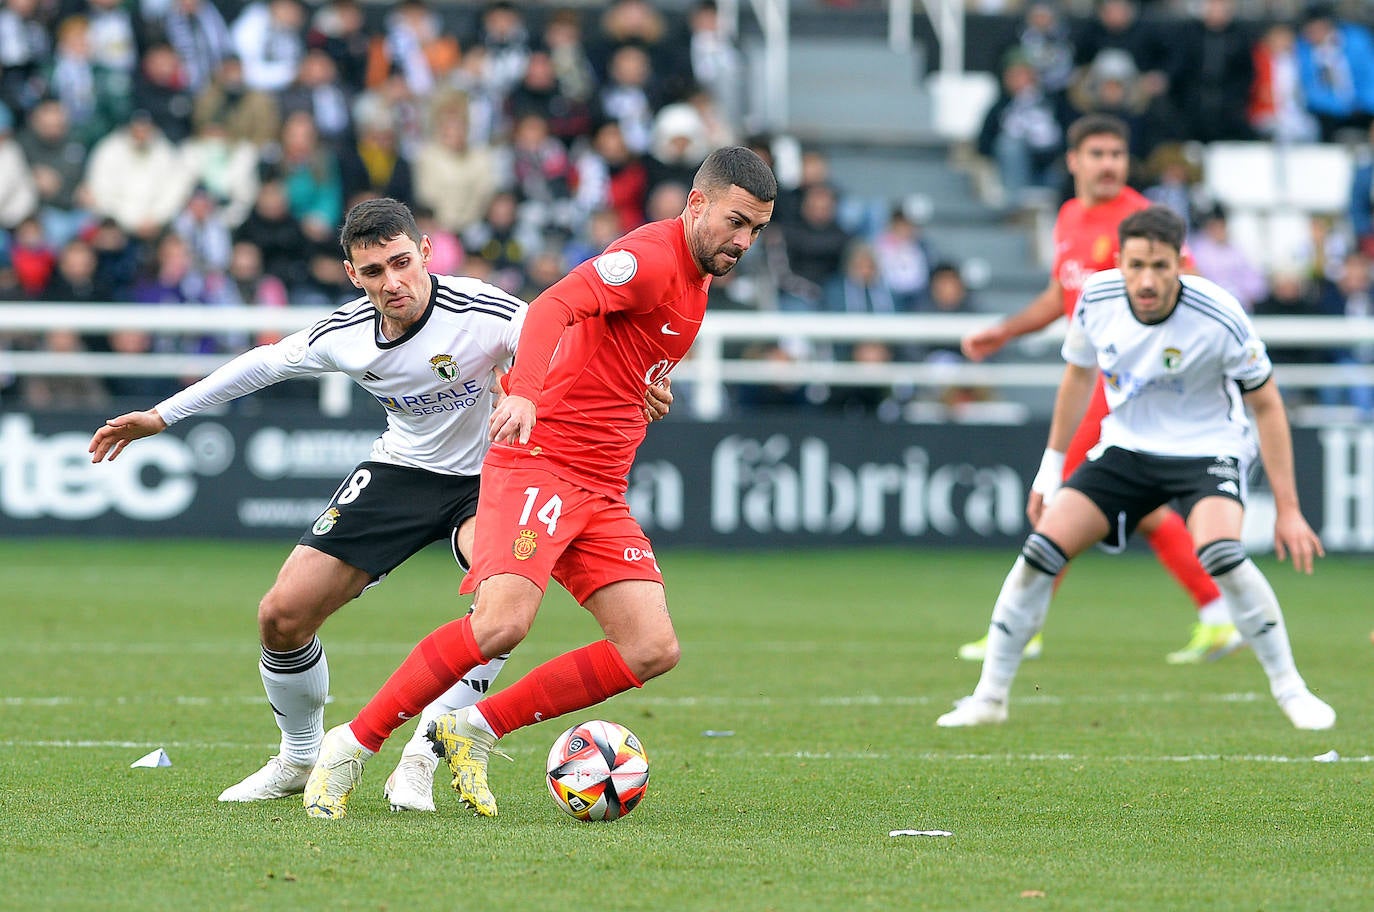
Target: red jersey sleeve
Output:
[(632, 278)]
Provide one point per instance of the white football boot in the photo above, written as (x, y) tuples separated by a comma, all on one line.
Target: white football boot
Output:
[(410, 787), (1306, 710), (277, 779), (973, 710)]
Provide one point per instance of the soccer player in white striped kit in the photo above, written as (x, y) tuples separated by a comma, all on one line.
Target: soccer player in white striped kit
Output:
[(1181, 363), (428, 348)]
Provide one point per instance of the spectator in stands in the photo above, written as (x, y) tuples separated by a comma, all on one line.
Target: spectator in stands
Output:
[(327, 285), (1175, 180), (309, 171), (446, 253), (1352, 297), (113, 40), (904, 258), (1117, 26), (541, 270), (276, 233), (160, 90), (317, 91), (1218, 258), (206, 236), (1212, 69), (1291, 294), (1046, 43), (716, 64), (31, 256), (538, 92), (1361, 212), (593, 236), (678, 146), (95, 98), (138, 178), (626, 96), (226, 168), (541, 174), (247, 114), (339, 28), (505, 43), (811, 250), (57, 161), (58, 392), (18, 192), (664, 199), (25, 55), (608, 174), (373, 163), (949, 294), (1022, 133), (416, 46), (1277, 109), (572, 67), (200, 36), (637, 24), (116, 259), (1336, 69), (1113, 86), (269, 38), (249, 285), (502, 241), (76, 280), (454, 178)]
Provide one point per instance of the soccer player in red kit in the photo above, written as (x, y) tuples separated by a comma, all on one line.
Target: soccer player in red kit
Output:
[(1085, 242), (552, 501)]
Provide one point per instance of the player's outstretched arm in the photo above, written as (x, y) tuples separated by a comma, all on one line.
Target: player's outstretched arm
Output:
[(1292, 535), (1043, 310), (110, 440), (658, 398)]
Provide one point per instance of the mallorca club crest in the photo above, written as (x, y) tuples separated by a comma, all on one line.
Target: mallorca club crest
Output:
[(1173, 359), (444, 368), (325, 522), (524, 546)]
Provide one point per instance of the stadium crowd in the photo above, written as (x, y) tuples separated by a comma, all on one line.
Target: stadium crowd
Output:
[(199, 152)]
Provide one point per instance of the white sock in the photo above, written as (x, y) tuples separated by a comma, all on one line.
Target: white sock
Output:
[(297, 683), (469, 690), (1018, 615), (475, 718), (1214, 612), (1256, 614)]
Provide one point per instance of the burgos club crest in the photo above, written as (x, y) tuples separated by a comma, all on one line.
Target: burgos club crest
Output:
[(524, 546), (444, 368), (1173, 359), (325, 522)]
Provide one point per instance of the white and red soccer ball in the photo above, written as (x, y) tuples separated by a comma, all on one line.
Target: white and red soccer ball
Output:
[(597, 771)]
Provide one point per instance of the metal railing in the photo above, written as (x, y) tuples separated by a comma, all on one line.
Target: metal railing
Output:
[(709, 368)]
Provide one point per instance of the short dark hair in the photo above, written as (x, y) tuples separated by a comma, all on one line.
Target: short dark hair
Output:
[(374, 222), (1154, 223), (1097, 125), (736, 166)]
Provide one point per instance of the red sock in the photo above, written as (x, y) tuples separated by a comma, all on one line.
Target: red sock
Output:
[(1174, 548), (574, 680), (436, 664)]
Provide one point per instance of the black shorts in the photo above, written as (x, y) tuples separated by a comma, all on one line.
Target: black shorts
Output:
[(382, 514), (1128, 486)]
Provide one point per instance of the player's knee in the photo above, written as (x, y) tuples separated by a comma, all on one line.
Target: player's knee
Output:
[(657, 655), (283, 626), (1043, 554), (498, 634), (1221, 556)]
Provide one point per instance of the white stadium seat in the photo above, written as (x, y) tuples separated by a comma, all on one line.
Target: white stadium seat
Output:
[(1242, 175), (961, 101), (1316, 176)]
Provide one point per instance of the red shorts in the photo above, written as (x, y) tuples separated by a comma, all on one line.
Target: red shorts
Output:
[(1089, 430), (534, 524)]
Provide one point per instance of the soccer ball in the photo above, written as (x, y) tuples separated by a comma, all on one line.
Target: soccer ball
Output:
[(597, 771)]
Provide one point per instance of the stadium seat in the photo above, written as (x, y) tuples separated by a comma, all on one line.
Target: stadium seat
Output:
[(1316, 176), (1289, 239), (1248, 230), (1242, 174), (961, 101)]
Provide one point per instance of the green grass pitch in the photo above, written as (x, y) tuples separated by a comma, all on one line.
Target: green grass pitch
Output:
[(1119, 783)]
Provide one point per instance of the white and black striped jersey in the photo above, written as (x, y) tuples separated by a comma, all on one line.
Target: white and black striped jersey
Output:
[(434, 382), (1174, 387)]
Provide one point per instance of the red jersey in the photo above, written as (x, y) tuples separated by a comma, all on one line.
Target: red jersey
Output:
[(1085, 240), (590, 346)]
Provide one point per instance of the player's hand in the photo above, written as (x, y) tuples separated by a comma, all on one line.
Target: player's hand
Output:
[(657, 400), (110, 440), (985, 342), (512, 421), (1294, 537)]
